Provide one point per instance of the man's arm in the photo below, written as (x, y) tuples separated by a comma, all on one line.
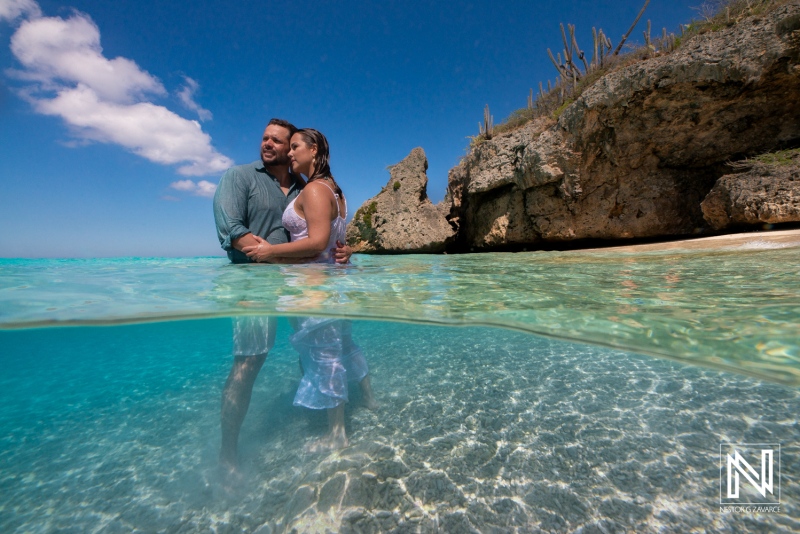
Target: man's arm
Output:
[(341, 253), (250, 240), (230, 210), (244, 241)]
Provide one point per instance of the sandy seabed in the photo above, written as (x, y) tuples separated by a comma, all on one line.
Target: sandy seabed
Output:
[(480, 430)]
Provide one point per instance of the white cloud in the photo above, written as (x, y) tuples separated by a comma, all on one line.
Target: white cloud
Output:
[(206, 188), (12, 9), (105, 100), (55, 50), (148, 130), (186, 94), (183, 185), (203, 188)]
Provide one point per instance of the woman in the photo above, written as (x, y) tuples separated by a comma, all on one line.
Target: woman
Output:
[(316, 220)]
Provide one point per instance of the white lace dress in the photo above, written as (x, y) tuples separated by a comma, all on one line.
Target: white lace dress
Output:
[(328, 355)]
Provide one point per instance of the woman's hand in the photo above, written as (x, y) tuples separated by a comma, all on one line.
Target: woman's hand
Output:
[(260, 252)]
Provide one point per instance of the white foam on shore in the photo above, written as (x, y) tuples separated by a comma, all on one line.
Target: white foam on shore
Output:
[(761, 244)]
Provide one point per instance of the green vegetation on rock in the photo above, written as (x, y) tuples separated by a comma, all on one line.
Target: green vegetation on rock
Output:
[(781, 158), (363, 220), (557, 113)]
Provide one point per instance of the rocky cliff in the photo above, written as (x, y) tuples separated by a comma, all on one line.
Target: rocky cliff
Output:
[(643, 151), (637, 153), (401, 218), (767, 192)]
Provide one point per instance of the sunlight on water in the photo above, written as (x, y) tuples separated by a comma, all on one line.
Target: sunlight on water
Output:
[(735, 309)]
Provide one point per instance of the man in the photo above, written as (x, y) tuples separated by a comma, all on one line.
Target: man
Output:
[(249, 201)]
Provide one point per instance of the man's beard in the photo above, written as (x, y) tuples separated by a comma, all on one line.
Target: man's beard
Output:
[(276, 161)]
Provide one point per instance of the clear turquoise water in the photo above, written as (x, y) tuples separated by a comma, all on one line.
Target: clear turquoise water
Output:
[(112, 424), (736, 309)]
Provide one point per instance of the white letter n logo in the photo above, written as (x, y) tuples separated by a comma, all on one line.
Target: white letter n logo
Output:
[(740, 465)]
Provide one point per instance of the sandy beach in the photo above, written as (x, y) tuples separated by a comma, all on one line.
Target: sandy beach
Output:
[(787, 238)]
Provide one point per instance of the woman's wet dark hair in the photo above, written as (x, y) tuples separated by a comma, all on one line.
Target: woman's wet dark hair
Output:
[(322, 168)]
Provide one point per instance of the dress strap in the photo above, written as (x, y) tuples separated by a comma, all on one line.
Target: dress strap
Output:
[(336, 196)]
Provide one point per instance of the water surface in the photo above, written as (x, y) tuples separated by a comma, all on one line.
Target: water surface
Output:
[(735, 309)]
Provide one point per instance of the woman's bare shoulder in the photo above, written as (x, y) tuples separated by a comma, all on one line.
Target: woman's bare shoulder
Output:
[(316, 196), (317, 185), (319, 190)]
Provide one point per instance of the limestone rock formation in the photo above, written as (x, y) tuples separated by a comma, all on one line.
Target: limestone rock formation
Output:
[(639, 150), (401, 218), (764, 194)]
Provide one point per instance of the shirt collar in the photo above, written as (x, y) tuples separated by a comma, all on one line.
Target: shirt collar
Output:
[(297, 183)]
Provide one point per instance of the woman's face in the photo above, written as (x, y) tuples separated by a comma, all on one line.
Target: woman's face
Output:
[(301, 155)]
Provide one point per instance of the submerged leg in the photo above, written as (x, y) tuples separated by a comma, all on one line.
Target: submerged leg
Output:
[(367, 395), (235, 401), (337, 436)]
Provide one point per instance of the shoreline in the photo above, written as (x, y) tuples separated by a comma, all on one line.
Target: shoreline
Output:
[(787, 238)]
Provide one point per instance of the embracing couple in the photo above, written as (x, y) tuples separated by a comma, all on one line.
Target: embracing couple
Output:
[(267, 212)]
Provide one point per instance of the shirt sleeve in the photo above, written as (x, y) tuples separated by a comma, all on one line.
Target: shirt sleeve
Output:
[(230, 208)]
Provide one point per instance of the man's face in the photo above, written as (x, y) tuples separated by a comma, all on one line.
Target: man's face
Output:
[(275, 146)]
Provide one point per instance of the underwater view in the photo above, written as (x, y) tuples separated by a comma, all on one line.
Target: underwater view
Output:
[(588, 391)]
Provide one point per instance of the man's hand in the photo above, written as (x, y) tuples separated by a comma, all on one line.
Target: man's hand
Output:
[(342, 253), (258, 252)]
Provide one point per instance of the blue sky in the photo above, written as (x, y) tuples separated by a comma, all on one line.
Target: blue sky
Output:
[(118, 118)]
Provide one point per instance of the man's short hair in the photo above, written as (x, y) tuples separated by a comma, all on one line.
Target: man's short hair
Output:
[(286, 124)]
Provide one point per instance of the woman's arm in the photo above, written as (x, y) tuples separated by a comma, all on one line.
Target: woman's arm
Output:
[(318, 209), (341, 254)]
